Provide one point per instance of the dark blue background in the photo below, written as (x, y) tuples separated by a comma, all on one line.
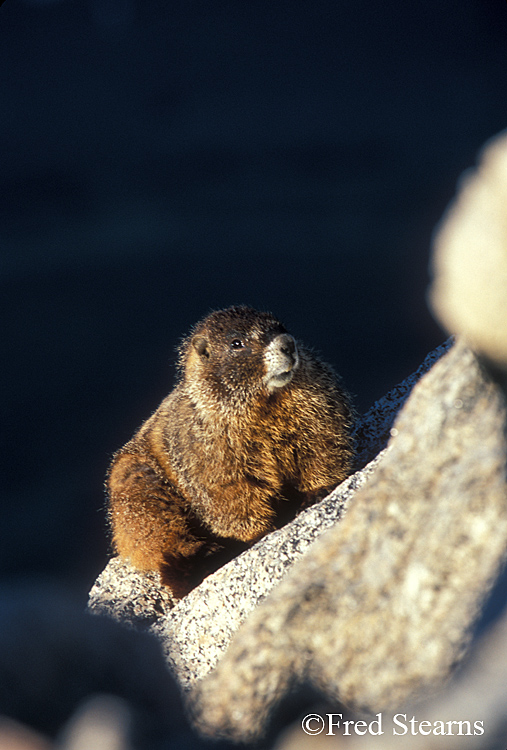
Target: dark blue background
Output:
[(159, 159)]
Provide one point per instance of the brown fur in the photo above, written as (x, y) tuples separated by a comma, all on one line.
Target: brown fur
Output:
[(256, 429)]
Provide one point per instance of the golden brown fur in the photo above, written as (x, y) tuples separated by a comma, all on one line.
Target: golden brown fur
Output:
[(256, 429)]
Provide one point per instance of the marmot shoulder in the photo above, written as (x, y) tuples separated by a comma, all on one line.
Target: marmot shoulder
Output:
[(256, 429)]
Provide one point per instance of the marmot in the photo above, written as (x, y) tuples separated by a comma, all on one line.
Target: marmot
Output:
[(256, 429)]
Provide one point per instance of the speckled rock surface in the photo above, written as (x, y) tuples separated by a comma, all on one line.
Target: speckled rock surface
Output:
[(130, 596), (379, 609), (476, 694)]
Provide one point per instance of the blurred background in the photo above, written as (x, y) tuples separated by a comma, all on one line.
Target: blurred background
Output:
[(160, 159)]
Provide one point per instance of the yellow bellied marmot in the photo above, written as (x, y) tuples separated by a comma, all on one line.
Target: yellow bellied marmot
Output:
[(256, 429)]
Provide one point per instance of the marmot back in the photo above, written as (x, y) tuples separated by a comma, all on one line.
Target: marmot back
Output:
[(256, 429)]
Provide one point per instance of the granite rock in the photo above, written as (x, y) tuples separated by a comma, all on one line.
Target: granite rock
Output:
[(369, 595), (472, 707), (469, 290), (379, 610)]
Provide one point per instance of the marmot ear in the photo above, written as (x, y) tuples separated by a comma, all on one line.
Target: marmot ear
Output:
[(200, 344)]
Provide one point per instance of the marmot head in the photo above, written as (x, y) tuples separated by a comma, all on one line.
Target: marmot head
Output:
[(238, 353)]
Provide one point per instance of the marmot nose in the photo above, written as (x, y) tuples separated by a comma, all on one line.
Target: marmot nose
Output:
[(281, 359), (286, 344)]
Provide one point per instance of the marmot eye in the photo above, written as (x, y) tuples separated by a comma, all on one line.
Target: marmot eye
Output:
[(237, 344)]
